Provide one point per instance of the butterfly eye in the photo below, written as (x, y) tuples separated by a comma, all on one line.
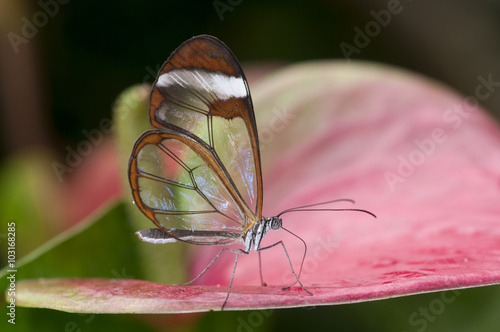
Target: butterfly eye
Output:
[(276, 223)]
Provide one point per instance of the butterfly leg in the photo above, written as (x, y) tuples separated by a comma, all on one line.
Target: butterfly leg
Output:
[(237, 252), (289, 262), (208, 266), (260, 271)]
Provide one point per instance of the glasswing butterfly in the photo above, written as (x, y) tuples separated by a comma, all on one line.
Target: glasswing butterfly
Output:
[(197, 176)]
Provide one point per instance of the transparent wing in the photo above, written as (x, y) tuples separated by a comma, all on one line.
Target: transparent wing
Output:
[(202, 90), (174, 182)]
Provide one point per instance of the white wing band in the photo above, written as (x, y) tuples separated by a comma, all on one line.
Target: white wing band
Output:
[(223, 86)]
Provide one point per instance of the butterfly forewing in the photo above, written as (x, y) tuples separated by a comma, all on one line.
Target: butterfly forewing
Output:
[(202, 90)]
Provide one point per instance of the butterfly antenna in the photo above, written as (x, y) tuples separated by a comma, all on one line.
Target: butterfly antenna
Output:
[(305, 208), (316, 204)]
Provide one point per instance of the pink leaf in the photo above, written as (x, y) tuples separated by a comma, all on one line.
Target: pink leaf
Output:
[(138, 296), (403, 147)]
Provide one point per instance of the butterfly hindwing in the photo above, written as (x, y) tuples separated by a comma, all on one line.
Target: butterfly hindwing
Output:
[(174, 183)]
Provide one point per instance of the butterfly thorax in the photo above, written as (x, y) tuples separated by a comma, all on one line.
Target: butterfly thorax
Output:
[(254, 235)]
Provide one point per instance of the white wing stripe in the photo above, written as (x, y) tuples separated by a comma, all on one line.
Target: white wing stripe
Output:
[(224, 86)]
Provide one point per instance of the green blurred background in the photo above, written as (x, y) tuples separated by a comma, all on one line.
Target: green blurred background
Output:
[(64, 77)]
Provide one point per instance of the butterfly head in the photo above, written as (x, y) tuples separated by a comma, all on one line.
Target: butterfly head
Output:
[(275, 223)]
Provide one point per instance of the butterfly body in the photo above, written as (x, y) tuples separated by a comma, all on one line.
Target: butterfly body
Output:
[(251, 238), (255, 234)]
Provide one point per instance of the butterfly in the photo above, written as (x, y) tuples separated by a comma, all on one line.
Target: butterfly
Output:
[(197, 176)]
